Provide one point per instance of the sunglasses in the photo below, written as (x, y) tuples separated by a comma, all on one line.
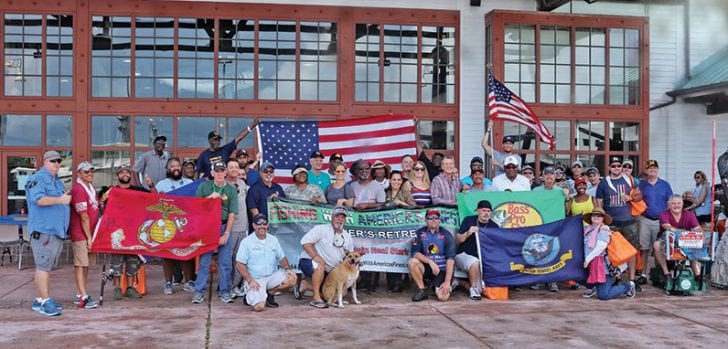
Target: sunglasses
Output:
[(56, 161), (89, 171), (626, 166), (615, 166), (419, 168), (267, 171), (432, 218), (364, 169), (698, 177), (261, 223), (527, 173), (510, 167), (340, 171), (559, 172)]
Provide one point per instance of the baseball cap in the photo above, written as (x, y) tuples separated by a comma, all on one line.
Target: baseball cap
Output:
[(591, 170), (628, 162), (123, 168), (188, 161), (240, 152), (265, 165), (164, 138), (298, 169), (527, 167), (84, 166), (379, 164), (510, 160), (336, 157), (317, 154), (218, 165), (476, 159), (509, 139), (51, 155), (577, 163), (259, 217), (214, 134), (484, 204), (580, 180), (433, 212), (614, 159), (652, 163), (338, 210), (549, 170)]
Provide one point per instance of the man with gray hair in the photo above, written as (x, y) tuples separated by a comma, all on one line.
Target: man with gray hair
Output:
[(446, 185)]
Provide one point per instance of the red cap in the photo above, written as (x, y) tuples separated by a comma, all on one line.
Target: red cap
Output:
[(433, 211)]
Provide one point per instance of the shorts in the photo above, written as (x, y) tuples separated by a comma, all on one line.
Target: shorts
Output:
[(464, 261), (81, 255), (648, 229), (630, 232), (46, 250), (306, 266), (431, 279), (131, 261), (267, 283)]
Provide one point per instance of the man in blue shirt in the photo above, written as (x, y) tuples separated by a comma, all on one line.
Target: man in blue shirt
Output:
[(258, 258), (48, 219), (259, 193), (433, 258), (655, 192), (217, 154)]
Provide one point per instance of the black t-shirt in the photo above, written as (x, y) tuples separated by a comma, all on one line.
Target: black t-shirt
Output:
[(468, 246)]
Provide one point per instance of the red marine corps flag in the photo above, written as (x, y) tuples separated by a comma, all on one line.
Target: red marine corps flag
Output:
[(503, 104), (165, 226)]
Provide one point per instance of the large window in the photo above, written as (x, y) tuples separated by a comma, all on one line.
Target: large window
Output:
[(318, 65), (624, 66), (520, 60), (590, 64), (236, 59), (277, 60), (154, 53), (555, 59), (111, 57), (195, 63)]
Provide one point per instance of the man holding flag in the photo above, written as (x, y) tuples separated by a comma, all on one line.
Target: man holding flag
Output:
[(467, 257)]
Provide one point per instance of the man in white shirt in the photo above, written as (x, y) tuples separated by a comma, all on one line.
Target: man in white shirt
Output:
[(511, 180)]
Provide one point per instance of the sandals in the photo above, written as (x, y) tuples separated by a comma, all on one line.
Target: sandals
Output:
[(318, 304)]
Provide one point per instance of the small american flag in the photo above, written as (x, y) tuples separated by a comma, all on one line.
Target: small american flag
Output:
[(287, 143), (506, 105)]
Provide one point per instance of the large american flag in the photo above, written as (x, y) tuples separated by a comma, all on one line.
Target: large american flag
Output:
[(384, 137), (506, 105)]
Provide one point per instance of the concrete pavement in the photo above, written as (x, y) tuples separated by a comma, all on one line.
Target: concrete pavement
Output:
[(529, 319)]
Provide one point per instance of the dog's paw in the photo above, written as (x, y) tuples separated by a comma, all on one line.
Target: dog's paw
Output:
[(340, 306), (357, 301), (345, 302)]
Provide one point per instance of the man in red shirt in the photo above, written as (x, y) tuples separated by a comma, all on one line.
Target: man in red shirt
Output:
[(84, 215)]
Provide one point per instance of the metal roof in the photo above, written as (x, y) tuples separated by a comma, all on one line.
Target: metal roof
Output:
[(710, 73)]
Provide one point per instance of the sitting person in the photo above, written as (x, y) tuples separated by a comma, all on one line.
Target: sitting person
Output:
[(467, 253), (257, 261), (596, 239), (324, 247), (432, 259), (673, 219)]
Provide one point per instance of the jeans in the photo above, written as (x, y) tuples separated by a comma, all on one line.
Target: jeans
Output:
[(224, 270), (609, 290)]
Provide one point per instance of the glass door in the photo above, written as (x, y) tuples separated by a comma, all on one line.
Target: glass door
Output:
[(16, 169)]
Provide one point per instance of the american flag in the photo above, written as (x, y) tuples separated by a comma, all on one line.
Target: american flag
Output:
[(506, 105), (287, 143)]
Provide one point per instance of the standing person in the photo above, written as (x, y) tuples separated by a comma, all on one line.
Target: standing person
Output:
[(364, 191), (240, 226), (467, 257), (499, 157), (219, 154), (529, 172), (84, 216), (596, 239), (432, 259), (48, 219), (188, 169), (613, 195), (420, 185), (131, 262), (334, 159), (317, 176), (655, 192), (257, 260), (174, 178), (701, 198), (259, 193), (593, 178), (581, 203), (511, 180), (397, 194), (627, 168), (447, 185), (153, 163), (475, 163), (336, 192), (380, 174), (324, 247), (252, 175), (214, 189), (407, 163), (302, 189), (479, 185)]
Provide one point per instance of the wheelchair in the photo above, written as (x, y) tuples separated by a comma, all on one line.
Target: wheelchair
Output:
[(681, 248)]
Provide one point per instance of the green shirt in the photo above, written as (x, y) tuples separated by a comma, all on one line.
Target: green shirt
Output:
[(227, 192), (322, 180)]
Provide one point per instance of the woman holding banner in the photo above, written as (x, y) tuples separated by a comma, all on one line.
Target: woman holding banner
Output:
[(596, 239), (336, 191), (397, 194)]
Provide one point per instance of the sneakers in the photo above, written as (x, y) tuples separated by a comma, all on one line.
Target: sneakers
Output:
[(48, 308), (475, 294), (53, 302), (225, 297), (631, 292), (589, 292), (637, 286), (36, 305), (117, 294), (198, 298), (455, 283), (131, 292), (270, 302), (86, 302), (420, 295), (238, 292), (641, 279), (536, 287), (189, 286), (553, 287), (168, 288)]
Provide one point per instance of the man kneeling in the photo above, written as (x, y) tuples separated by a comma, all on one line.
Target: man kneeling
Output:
[(433, 258), (258, 258)]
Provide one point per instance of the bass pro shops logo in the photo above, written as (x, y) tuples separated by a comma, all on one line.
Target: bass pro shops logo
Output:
[(516, 215)]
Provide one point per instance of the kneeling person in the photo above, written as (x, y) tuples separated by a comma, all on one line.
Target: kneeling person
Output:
[(467, 256), (257, 261), (433, 250)]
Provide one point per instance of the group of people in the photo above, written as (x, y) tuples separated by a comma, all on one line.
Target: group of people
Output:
[(254, 267)]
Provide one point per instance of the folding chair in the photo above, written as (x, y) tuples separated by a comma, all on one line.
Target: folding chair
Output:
[(10, 236)]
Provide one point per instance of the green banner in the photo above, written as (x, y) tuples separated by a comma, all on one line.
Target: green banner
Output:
[(517, 209)]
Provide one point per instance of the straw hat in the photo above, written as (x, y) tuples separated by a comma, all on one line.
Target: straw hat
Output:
[(598, 211)]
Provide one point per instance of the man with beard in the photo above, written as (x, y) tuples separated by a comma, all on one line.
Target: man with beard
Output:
[(499, 157), (219, 154), (130, 261), (247, 168), (366, 194), (153, 162), (175, 180)]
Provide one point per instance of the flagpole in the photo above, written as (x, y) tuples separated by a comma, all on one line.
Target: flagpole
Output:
[(491, 165), (712, 184), (480, 261)]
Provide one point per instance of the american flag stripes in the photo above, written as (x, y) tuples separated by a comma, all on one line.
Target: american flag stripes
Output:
[(287, 143), (506, 105)]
